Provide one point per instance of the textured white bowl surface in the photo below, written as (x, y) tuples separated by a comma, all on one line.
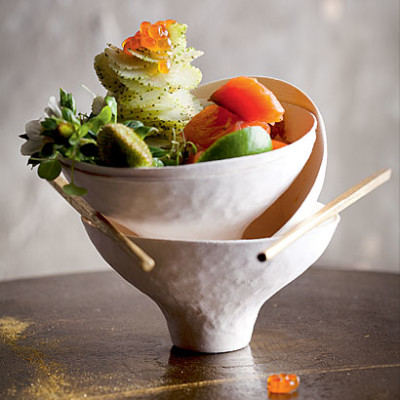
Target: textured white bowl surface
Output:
[(210, 292)]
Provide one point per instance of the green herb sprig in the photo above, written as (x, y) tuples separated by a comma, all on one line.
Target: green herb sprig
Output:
[(70, 136), (164, 152), (74, 136)]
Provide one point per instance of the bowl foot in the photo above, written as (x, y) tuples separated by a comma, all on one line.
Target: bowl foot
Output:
[(203, 333)]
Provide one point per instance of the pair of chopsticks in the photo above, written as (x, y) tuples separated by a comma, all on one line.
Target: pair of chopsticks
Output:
[(333, 208), (343, 201), (98, 220)]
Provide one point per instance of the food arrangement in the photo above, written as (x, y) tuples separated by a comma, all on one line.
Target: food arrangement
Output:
[(194, 172), (149, 116), (188, 169)]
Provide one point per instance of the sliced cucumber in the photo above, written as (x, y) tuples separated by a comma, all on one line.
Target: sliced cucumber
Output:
[(163, 110), (186, 56), (179, 77), (163, 122), (106, 75), (148, 114), (118, 59), (159, 99), (177, 34), (144, 93), (144, 55)]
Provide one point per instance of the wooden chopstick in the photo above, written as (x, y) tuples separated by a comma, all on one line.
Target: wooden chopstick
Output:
[(337, 205), (99, 221)]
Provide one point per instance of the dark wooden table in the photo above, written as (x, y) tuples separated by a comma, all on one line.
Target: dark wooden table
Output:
[(94, 336)]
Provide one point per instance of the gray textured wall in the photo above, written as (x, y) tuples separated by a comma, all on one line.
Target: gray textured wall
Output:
[(344, 54)]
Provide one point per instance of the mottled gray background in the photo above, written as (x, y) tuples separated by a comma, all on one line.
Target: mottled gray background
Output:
[(344, 54)]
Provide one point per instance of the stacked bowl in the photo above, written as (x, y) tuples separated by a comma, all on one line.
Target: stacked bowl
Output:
[(204, 224)]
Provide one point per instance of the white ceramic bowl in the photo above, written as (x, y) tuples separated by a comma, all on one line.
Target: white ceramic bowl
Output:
[(215, 200), (210, 292)]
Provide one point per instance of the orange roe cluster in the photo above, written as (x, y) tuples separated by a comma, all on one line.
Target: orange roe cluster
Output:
[(282, 383), (155, 38)]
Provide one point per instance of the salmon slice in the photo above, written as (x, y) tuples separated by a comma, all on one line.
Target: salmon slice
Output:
[(249, 100)]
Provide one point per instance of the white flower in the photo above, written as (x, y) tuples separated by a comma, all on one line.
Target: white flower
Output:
[(33, 129), (98, 104), (34, 142), (98, 101), (53, 109)]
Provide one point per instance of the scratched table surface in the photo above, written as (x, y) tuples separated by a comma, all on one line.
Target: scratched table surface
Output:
[(93, 336)]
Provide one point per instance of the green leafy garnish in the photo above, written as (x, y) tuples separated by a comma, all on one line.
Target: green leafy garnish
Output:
[(70, 135), (73, 190), (112, 103), (49, 169), (142, 131), (67, 101), (98, 139)]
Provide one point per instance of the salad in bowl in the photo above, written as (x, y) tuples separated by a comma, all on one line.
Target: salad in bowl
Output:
[(168, 158)]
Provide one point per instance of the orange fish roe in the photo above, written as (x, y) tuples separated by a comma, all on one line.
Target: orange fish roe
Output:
[(153, 37), (282, 383), (164, 66)]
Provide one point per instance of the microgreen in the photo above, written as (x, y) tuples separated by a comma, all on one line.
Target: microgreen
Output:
[(142, 131), (112, 103), (67, 101), (176, 152)]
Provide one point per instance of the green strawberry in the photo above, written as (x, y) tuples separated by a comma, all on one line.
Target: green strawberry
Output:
[(120, 146)]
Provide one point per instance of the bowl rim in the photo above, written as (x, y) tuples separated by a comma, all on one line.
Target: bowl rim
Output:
[(210, 168), (334, 220), (224, 167)]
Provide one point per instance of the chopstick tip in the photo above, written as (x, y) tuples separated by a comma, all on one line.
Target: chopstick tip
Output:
[(148, 265)]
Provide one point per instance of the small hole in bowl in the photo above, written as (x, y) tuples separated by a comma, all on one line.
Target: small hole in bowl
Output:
[(262, 257)]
